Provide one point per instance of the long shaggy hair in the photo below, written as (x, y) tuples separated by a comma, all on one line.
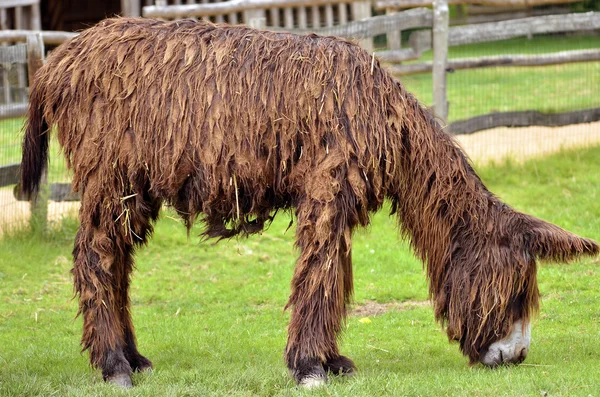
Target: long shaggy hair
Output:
[(232, 124)]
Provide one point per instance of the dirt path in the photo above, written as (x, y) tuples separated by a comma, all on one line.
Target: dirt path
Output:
[(526, 142), (490, 145), (14, 214)]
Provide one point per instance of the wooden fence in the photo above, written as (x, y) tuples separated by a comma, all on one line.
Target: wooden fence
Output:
[(33, 57), (404, 4), (301, 15), (424, 40), (17, 14)]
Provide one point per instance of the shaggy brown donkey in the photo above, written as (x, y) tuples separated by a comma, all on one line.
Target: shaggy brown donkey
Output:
[(232, 124)]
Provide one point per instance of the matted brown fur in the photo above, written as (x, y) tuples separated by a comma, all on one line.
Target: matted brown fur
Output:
[(233, 124)]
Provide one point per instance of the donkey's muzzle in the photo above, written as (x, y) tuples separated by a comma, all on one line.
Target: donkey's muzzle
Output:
[(512, 349)]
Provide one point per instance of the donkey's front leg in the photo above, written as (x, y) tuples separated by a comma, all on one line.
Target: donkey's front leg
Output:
[(319, 294)]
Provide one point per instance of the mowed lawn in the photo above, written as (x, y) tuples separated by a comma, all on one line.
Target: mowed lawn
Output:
[(548, 89), (211, 317)]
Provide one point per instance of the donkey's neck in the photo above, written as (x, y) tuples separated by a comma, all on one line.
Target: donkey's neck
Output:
[(434, 189)]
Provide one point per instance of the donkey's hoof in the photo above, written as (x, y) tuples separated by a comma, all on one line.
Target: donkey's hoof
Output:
[(310, 375), (312, 382), (340, 365), (141, 364), (145, 369), (121, 380)]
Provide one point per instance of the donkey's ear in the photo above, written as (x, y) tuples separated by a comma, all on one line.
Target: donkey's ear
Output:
[(550, 242)]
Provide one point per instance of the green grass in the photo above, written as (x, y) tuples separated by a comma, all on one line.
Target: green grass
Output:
[(11, 137), (210, 316), (549, 89), (10, 140)]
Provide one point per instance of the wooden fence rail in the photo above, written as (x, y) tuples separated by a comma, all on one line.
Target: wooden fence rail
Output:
[(522, 119), (48, 37), (9, 174), (496, 31), (554, 58), (403, 4), (377, 25), (224, 8)]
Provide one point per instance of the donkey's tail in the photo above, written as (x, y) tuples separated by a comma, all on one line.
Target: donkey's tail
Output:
[(35, 147)]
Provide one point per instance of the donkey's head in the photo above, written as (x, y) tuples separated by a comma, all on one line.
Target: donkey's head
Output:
[(489, 291)]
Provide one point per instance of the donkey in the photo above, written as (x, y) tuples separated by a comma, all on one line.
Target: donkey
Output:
[(231, 124)]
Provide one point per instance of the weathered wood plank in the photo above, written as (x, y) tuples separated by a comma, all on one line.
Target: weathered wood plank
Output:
[(288, 18), (503, 30), (58, 192), (274, 14), (361, 11), (403, 4), (210, 9), (131, 8), (49, 37), (14, 54), (343, 14), (21, 89), (62, 192), (302, 18), (505, 16), (17, 3), (255, 18), (441, 17), (522, 119), (39, 205), (553, 58), (381, 24), (316, 17), (9, 174), (394, 39), (395, 56), (35, 17), (329, 15), (13, 110)]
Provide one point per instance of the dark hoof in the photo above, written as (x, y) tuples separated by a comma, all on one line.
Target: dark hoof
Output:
[(312, 382), (141, 364), (121, 380), (340, 365), (309, 374)]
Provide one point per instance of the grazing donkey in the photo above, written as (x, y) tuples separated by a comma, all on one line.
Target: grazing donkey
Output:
[(232, 123)]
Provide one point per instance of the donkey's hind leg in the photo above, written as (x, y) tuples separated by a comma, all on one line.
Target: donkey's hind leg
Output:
[(102, 263), (341, 365), (320, 290), (140, 220)]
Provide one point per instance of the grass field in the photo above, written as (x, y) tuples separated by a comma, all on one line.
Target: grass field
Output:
[(210, 316), (550, 89), (11, 136)]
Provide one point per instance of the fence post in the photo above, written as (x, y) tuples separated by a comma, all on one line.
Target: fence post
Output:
[(394, 39), (440, 57), (362, 10), (130, 8), (255, 19), (39, 205)]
